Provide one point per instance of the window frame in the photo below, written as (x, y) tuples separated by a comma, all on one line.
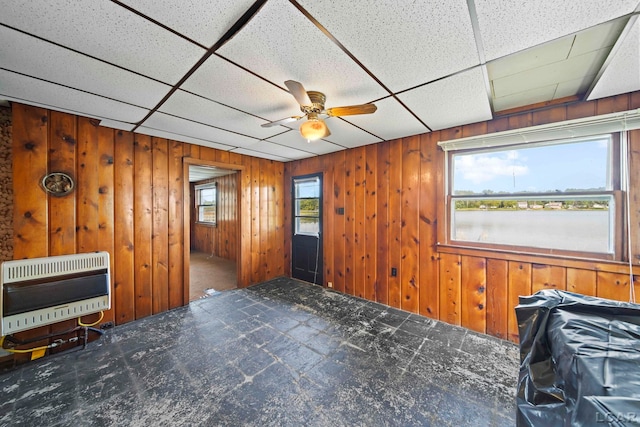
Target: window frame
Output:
[(615, 193), (198, 189)]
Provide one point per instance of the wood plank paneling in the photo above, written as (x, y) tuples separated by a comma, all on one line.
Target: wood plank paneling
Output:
[(519, 285), (339, 237), (497, 297), (395, 222), (143, 225), (410, 234), (105, 197), (370, 227), (450, 282), (349, 225), (382, 224), (581, 281), (359, 265), (175, 218), (160, 227), (473, 298), (548, 277), (328, 218), (124, 277), (428, 289)]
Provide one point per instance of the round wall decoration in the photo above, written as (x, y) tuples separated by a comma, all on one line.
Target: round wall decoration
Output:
[(58, 184)]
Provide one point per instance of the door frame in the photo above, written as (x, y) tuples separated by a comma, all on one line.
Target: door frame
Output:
[(241, 222), (320, 247)]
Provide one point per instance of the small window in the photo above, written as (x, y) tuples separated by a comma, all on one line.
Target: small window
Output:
[(206, 203), (306, 209), (553, 196)]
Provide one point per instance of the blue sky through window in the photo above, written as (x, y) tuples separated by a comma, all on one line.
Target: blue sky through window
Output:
[(544, 168)]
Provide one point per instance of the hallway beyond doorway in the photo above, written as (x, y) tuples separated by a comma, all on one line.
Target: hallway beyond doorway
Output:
[(210, 272)]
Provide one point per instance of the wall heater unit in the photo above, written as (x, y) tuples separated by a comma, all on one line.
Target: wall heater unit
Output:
[(41, 291)]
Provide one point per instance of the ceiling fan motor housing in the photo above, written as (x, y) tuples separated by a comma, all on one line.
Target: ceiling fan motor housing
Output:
[(317, 103)]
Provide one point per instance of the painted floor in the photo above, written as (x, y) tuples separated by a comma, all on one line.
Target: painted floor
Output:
[(277, 354)]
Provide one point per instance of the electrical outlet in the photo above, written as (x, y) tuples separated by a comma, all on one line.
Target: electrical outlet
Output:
[(394, 272), (330, 285)]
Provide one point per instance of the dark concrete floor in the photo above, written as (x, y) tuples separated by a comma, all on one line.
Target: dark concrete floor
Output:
[(280, 353)]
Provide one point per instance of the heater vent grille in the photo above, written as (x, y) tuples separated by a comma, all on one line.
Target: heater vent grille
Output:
[(32, 269), (40, 291)]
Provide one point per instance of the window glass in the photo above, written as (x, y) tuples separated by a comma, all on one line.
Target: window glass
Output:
[(556, 196), (206, 198)]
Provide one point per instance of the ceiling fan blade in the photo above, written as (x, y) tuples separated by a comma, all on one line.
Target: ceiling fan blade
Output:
[(352, 110), (281, 121), (299, 93)]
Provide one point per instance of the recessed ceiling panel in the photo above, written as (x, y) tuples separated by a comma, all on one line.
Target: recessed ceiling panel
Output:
[(29, 90), (280, 44), (108, 31), (622, 73), (34, 57), (529, 97), (202, 110), (221, 81), (569, 69), (294, 140), (181, 126), (506, 28), (422, 40), (182, 138), (390, 121), (204, 21), (454, 101)]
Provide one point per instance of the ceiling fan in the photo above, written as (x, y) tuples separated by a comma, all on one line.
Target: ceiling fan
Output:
[(312, 105)]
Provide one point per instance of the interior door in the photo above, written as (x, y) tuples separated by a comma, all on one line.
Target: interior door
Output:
[(306, 247)]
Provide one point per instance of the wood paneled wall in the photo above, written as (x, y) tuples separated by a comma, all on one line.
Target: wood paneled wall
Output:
[(222, 239), (393, 195), (129, 201)]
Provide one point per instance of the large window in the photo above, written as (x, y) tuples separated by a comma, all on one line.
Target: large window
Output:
[(206, 203), (551, 196)]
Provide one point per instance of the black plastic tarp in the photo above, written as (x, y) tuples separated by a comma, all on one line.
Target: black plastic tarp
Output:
[(579, 361)]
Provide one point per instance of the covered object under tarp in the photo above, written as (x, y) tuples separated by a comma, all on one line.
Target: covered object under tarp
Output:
[(579, 361)]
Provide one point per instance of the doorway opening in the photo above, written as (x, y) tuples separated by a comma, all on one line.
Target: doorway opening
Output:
[(306, 243), (213, 222)]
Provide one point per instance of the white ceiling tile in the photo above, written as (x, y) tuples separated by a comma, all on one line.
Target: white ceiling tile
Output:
[(162, 121), (529, 97), (182, 138), (269, 148), (506, 28), (454, 101), (106, 30), (221, 81), (201, 110), (347, 135), (37, 58), (280, 44), (114, 124), (294, 140), (422, 40), (390, 121), (29, 90), (622, 73), (259, 154), (573, 67), (203, 21)]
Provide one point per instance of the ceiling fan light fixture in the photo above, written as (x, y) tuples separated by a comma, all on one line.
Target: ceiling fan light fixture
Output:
[(314, 129)]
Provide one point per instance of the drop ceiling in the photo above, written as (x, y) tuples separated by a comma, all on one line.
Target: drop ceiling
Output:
[(212, 72)]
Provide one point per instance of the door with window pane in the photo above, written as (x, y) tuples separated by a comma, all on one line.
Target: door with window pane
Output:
[(306, 247)]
